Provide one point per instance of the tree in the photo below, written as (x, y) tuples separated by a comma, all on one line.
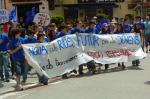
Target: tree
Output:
[(101, 16), (57, 19)]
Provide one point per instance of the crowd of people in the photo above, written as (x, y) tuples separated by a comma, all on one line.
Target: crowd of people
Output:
[(13, 35)]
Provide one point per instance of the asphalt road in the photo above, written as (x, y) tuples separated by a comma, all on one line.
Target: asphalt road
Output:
[(132, 83)]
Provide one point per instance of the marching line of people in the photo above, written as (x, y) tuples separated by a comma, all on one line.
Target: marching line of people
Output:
[(12, 54)]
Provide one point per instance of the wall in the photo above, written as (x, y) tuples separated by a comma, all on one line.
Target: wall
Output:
[(59, 11), (122, 10), (8, 5)]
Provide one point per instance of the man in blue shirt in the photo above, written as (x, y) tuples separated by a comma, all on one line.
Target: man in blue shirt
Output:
[(4, 57), (147, 33), (77, 28), (92, 28), (29, 39), (126, 27), (15, 49)]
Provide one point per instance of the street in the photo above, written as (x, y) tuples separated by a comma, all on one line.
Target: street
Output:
[(132, 83)]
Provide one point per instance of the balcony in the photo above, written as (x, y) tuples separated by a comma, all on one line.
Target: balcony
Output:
[(25, 1)]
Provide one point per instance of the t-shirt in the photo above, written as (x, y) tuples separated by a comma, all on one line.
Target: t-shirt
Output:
[(89, 30), (75, 30), (60, 34), (3, 42), (127, 28), (147, 27), (30, 40), (14, 43)]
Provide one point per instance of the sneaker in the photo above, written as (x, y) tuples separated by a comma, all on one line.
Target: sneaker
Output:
[(23, 81), (123, 66), (81, 73), (2, 79), (19, 88), (7, 80), (119, 65), (64, 76), (74, 71)]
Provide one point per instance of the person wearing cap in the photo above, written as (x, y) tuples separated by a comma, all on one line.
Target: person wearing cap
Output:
[(16, 50), (113, 26), (4, 57)]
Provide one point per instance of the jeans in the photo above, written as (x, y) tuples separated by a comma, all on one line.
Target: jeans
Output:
[(136, 62), (4, 63), (27, 68)]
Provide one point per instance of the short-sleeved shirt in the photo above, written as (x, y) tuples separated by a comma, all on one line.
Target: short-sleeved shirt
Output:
[(3, 42), (89, 30), (127, 28), (14, 43), (147, 27), (75, 30), (60, 34), (30, 40)]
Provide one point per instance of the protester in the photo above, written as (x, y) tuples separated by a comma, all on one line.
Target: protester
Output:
[(4, 57), (30, 39), (15, 49), (147, 34), (137, 30), (105, 30)]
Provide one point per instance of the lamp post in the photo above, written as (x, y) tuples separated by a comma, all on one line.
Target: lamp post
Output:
[(142, 8)]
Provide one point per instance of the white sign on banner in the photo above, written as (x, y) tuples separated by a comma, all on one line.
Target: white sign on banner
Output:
[(42, 19), (67, 53), (4, 16)]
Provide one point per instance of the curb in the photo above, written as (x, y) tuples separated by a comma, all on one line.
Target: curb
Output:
[(31, 86)]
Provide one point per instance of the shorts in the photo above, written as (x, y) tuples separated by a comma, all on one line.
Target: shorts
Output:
[(19, 68)]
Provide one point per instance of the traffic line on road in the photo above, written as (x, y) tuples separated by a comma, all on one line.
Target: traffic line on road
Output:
[(58, 82), (8, 95)]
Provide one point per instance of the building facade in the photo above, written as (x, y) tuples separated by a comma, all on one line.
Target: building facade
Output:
[(2, 4), (73, 9)]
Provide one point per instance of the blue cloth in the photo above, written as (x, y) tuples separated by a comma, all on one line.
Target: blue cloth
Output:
[(46, 39), (12, 14), (147, 28), (30, 40), (127, 28), (142, 25), (75, 30), (99, 24), (60, 34), (3, 42), (14, 43), (88, 30)]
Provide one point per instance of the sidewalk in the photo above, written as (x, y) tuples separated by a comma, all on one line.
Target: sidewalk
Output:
[(32, 82), (7, 87)]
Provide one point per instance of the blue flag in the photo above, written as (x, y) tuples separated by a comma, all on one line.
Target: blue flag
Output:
[(30, 15), (12, 14), (99, 24)]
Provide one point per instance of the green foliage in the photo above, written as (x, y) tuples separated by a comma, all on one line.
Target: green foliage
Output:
[(101, 16), (57, 19), (130, 16)]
